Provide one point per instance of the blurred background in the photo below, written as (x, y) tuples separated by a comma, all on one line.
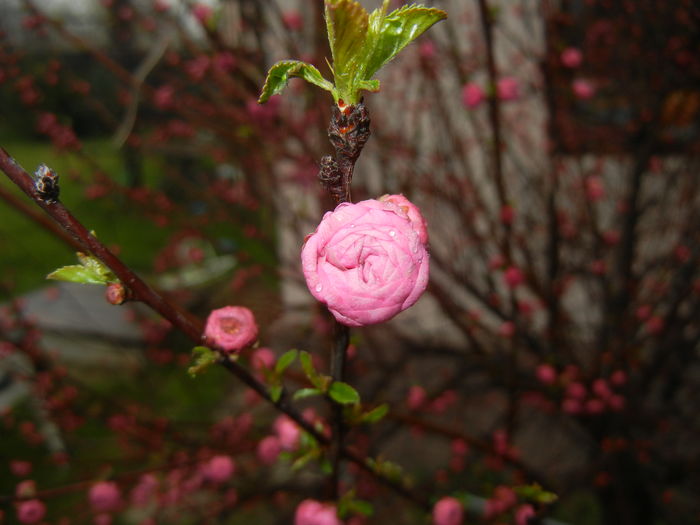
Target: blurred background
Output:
[(551, 145)]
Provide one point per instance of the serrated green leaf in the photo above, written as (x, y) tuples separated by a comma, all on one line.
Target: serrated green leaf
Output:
[(76, 274), (303, 393), (346, 22), (285, 360), (387, 35), (203, 357), (375, 414), (275, 392), (280, 73), (343, 393)]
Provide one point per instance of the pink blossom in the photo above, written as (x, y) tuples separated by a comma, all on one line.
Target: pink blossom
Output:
[(292, 20), (288, 433), (583, 88), (618, 377), (472, 95), (507, 214), (448, 511), (601, 389), (507, 329), (368, 261), (576, 391), (269, 450), (595, 190), (219, 469), (144, 490), (571, 57), (416, 397), (31, 511), (508, 88), (513, 276), (231, 328), (263, 358), (312, 512), (523, 514), (104, 496), (546, 374), (202, 12), (20, 468)]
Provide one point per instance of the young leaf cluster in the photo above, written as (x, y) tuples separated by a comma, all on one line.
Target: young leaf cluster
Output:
[(361, 43)]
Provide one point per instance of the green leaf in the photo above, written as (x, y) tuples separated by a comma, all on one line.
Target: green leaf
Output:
[(303, 460), (346, 22), (535, 493), (343, 393), (280, 73), (375, 414), (303, 393), (89, 271), (285, 360), (275, 392), (387, 35), (308, 367), (203, 357), (358, 506)]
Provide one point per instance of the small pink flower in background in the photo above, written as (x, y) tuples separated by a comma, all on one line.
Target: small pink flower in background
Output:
[(472, 95), (618, 377), (546, 374), (269, 450), (508, 88), (312, 512), (231, 328), (202, 12), (571, 57), (523, 514), (20, 468), (288, 433), (595, 190), (576, 391), (583, 88), (654, 325), (219, 469), (448, 511), (416, 397), (513, 276), (594, 406), (507, 214), (104, 496), (571, 406), (144, 490), (25, 489), (292, 20), (427, 49), (368, 261), (507, 329), (31, 511), (263, 358)]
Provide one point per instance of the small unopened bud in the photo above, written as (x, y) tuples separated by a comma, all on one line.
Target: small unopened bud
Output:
[(117, 294)]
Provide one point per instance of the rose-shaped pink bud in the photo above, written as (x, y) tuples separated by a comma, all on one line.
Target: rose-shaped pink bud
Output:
[(472, 95), (231, 328), (31, 511), (104, 496), (508, 88), (368, 261), (571, 57), (218, 469), (448, 511)]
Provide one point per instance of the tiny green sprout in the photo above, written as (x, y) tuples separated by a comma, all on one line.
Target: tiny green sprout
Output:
[(361, 43)]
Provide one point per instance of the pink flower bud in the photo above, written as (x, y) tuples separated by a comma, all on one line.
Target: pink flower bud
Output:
[(312, 512), (288, 433), (571, 406), (601, 389), (448, 511), (219, 469), (269, 450), (31, 511), (508, 88), (546, 374), (576, 390), (583, 89), (618, 378), (416, 397), (231, 328), (292, 20), (571, 57), (513, 276), (368, 261), (595, 190), (472, 95), (104, 496), (263, 358), (523, 514), (507, 329)]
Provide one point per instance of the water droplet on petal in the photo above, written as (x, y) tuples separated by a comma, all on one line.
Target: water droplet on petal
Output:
[(319, 287), (352, 225), (392, 233)]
